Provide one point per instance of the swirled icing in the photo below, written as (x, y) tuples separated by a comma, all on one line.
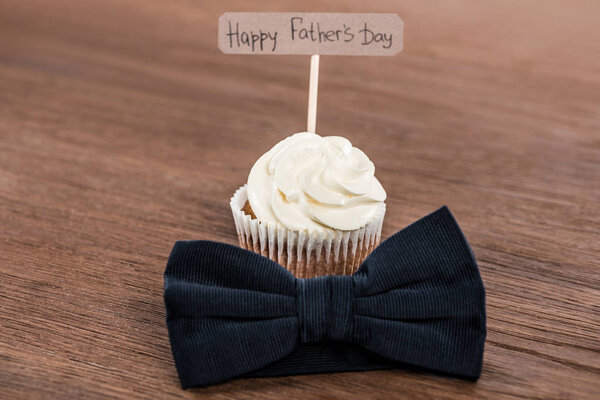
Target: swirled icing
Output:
[(309, 182)]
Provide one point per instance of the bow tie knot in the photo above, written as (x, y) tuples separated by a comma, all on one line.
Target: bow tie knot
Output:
[(325, 308)]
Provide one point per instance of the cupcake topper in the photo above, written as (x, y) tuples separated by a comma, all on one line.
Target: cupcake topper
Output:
[(312, 34)]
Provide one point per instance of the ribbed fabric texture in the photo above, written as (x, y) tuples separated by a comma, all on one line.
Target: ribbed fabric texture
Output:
[(417, 301)]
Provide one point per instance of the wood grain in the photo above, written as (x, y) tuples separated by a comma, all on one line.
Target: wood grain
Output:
[(124, 129)]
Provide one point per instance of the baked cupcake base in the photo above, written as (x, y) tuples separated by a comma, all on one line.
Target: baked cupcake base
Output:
[(306, 254)]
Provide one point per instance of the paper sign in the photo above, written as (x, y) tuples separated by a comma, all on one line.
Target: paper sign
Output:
[(310, 33)]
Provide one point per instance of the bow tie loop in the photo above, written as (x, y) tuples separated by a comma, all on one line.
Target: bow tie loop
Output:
[(325, 308)]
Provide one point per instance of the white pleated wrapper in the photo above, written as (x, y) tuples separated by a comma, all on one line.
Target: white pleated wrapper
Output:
[(306, 254)]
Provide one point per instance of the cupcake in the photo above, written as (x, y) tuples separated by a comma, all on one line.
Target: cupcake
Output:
[(311, 204)]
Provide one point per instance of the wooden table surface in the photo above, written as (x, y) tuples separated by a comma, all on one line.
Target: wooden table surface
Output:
[(124, 129)]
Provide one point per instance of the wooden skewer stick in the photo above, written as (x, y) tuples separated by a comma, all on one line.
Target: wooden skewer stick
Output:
[(312, 94)]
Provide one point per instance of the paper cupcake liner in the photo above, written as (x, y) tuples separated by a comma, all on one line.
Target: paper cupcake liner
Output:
[(306, 254)]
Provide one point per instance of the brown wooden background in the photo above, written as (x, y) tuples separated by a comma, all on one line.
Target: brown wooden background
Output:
[(123, 129)]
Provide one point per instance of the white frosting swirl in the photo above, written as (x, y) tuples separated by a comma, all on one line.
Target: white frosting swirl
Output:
[(311, 182)]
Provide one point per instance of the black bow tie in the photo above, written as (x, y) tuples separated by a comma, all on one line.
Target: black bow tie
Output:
[(416, 301)]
